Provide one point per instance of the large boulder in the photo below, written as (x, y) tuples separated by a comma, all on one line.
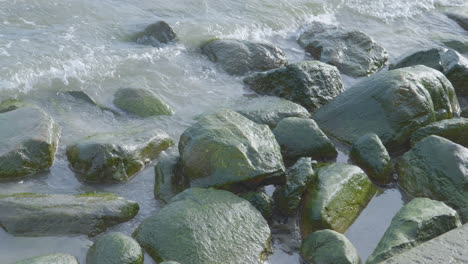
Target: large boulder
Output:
[(370, 154), (140, 102), (461, 19), (206, 226), (335, 198), (300, 137), (226, 150), (115, 248), (455, 130), (156, 34), (50, 259), (29, 214), (269, 110), (289, 196), (418, 221), (116, 157), (390, 104), (438, 169), (29, 139), (238, 57), (353, 52), (310, 83), (328, 246)]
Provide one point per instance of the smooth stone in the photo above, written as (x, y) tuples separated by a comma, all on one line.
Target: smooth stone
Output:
[(438, 169), (370, 155), (29, 214), (116, 157), (418, 221), (206, 226), (455, 130), (390, 104), (328, 246), (168, 182), (142, 103), (311, 84), (115, 248), (289, 196), (269, 110), (335, 199), (238, 57), (261, 201), (29, 141), (50, 259), (156, 34), (227, 150), (461, 19), (353, 52)]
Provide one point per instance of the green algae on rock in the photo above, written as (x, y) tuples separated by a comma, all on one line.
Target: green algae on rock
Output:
[(115, 248), (50, 259), (455, 130), (261, 201), (140, 102)]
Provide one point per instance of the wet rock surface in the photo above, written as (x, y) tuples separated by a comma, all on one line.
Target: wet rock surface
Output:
[(156, 34), (50, 259), (115, 248), (142, 103), (455, 130)]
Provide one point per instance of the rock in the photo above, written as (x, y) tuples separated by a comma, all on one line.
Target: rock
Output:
[(29, 214), (353, 52), (227, 150), (461, 20), (227, 228), (156, 34), (418, 221), (238, 57), (328, 246), (450, 246), (335, 198), (261, 201), (115, 248), (288, 197), (370, 154), (83, 97), (29, 141), (50, 259), (311, 84), (390, 104), (431, 58), (455, 130), (116, 157), (141, 103), (168, 183), (269, 110), (11, 104), (438, 169), (458, 45), (464, 112)]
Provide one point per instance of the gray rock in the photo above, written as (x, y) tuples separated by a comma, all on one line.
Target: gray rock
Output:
[(300, 137), (29, 141), (261, 201), (115, 248), (28, 214), (353, 52), (455, 130), (116, 157), (464, 112), (458, 45), (390, 104), (226, 228), (437, 168), (418, 221), (142, 103), (310, 83), (461, 19), (431, 58), (226, 150), (168, 182), (370, 154), (238, 57), (156, 34), (50, 259), (328, 246)]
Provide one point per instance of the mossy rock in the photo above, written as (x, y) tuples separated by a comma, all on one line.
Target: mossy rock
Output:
[(140, 102), (156, 34), (115, 248), (50, 259), (455, 130), (261, 201)]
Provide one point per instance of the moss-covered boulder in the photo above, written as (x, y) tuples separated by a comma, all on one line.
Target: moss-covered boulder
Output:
[(390, 104), (328, 246), (300, 137), (438, 169), (168, 182), (418, 221), (353, 52), (226, 150), (156, 34), (461, 19), (370, 154), (335, 198), (50, 259), (29, 214), (455, 130), (289, 196), (269, 110), (238, 57), (115, 248), (206, 226), (261, 201), (310, 83), (116, 157), (140, 102), (29, 139)]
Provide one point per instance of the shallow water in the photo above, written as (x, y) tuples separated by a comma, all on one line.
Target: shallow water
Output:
[(47, 47)]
